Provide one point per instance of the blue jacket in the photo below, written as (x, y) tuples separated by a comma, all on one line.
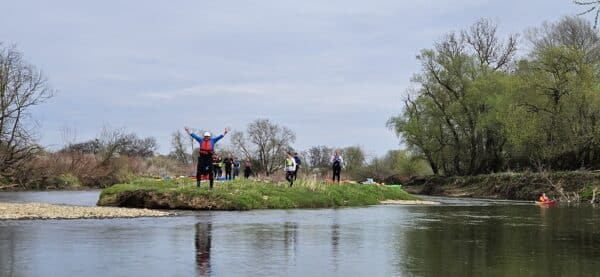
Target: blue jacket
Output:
[(213, 141)]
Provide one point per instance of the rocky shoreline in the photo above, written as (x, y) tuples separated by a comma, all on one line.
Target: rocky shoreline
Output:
[(13, 211)]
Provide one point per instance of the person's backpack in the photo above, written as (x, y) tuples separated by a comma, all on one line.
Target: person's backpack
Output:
[(337, 164), (298, 161)]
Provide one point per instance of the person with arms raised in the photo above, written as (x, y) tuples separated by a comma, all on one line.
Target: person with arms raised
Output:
[(206, 154)]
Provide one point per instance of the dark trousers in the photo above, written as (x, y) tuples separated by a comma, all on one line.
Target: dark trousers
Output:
[(228, 173), (236, 172), (336, 173), (247, 172), (205, 167), (289, 176), (296, 172)]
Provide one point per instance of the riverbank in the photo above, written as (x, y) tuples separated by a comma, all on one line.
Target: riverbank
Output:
[(571, 186), (246, 195), (51, 211)]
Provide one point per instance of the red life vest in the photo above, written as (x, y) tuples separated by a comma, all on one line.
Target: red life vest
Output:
[(206, 148)]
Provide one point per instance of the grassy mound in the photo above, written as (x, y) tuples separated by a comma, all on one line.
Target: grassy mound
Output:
[(245, 195)]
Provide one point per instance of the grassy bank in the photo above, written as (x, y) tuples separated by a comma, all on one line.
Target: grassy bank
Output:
[(566, 186), (245, 195)]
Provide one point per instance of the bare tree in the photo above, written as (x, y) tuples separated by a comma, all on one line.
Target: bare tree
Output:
[(266, 142), (592, 6), (319, 156), (180, 151), (570, 31), (483, 39), (21, 88)]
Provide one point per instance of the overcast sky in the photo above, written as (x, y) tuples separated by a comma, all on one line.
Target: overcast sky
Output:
[(332, 71)]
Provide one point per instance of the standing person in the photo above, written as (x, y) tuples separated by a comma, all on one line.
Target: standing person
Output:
[(236, 168), (206, 154), (228, 162), (290, 168), (218, 164), (247, 169), (337, 162), (298, 163)]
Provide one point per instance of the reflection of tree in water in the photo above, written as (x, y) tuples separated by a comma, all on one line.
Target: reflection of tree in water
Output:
[(473, 242), (203, 241)]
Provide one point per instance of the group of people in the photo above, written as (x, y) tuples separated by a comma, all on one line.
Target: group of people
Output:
[(212, 165), (231, 165), (292, 165)]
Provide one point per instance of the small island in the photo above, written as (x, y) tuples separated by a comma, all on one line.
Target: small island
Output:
[(246, 195)]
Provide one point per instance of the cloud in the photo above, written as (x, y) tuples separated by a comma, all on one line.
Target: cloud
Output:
[(334, 71)]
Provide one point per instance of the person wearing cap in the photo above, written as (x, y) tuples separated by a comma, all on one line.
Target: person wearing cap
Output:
[(206, 153)]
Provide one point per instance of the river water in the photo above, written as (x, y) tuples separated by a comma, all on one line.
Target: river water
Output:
[(459, 238)]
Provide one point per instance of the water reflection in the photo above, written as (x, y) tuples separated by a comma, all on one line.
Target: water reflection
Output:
[(290, 241), (552, 242), (452, 240), (203, 241)]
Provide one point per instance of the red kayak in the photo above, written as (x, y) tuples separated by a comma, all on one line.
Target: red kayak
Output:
[(546, 203)]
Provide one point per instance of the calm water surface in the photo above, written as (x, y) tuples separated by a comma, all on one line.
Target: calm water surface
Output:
[(459, 238)]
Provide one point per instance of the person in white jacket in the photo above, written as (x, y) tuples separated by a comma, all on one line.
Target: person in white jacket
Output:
[(290, 168), (337, 163)]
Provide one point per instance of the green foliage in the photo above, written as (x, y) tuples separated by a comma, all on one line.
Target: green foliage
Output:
[(68, 180), (246, 195), (470, 116)]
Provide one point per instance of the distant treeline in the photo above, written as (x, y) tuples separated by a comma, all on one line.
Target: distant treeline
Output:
[(479, 108)]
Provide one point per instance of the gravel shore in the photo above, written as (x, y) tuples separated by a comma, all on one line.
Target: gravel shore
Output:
[(50, 211)]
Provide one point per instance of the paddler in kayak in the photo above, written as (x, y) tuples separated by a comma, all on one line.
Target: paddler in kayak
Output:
[(206, 154), (544, 198)]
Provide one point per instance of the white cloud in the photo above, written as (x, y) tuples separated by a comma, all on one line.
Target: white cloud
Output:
[(332, 70)]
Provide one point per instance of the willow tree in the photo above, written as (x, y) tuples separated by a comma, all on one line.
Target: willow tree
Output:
[(560, 100), (445, 121)]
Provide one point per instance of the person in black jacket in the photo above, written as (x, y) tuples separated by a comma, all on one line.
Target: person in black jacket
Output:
[(228, 162), (247, 169), (298, 163)]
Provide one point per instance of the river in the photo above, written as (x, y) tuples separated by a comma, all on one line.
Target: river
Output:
[(462, 237)]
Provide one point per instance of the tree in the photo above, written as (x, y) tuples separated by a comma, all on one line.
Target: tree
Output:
[(560, 101), (354, 158), (319, 156), (21, 88), (593, 6), (448, 120), (267, 142), (133, 146), (572, 32), (115, 142), (180, 151)]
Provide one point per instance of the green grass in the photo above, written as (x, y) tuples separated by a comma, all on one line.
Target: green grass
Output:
[(247, 195)]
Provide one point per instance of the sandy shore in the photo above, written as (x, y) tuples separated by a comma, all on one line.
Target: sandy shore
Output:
[(50, 211), (409, 202)]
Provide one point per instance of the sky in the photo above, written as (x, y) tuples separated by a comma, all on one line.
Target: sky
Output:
[(332, 71)]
